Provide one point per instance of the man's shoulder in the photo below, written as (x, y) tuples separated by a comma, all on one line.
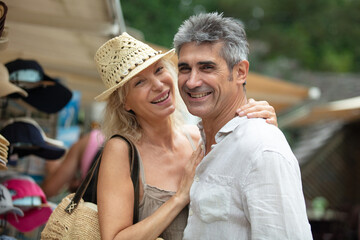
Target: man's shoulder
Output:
[(260, 140), (257, 134), (257, 128)]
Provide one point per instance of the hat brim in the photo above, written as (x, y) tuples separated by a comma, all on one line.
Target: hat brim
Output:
[(4, 159), (4, 147), (4, 141), (3, 153), (31, 219), (4, 41), (54, 142), (46, 151), (104, 95), (15, 210), (3, 164), (27, 138), (49, 99), (9, 88)]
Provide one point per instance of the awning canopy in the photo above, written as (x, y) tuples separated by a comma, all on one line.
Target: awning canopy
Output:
[(345, 110), (279, 93)]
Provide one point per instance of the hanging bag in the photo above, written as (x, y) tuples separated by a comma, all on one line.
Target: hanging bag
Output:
[(75, 219)]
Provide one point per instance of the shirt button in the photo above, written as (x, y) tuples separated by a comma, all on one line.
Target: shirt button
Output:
[(190, 212), (196, 179)]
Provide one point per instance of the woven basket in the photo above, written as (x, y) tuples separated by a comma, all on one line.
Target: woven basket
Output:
[(83, 223)]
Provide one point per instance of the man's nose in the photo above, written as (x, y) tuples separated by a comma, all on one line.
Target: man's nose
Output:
[(194, 80)]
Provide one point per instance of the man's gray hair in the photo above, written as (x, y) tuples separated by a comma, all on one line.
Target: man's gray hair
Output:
[(213, 27)]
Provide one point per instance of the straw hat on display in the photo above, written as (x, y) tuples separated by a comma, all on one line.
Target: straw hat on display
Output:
[(4, 40), (3, 163), (4, 147), (3, 152), (6, 87), (3, 30), (121, 58), (4, 143)]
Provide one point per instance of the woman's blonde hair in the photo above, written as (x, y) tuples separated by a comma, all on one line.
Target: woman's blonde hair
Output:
[(117, 120)]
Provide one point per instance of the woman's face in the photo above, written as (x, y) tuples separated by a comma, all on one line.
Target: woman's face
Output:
[(151, 93)]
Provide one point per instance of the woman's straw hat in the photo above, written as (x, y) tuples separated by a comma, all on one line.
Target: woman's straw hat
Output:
[(121, 58)]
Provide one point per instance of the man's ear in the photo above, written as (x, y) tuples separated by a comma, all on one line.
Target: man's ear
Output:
[(241, 70)]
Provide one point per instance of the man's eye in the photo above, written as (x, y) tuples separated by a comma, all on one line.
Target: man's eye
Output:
[(206, 67), (184, 69)]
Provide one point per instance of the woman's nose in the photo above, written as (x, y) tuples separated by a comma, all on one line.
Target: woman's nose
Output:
[(157, 84)]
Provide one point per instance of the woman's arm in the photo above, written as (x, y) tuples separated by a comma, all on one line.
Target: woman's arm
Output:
[(116, 197), (258, 109)]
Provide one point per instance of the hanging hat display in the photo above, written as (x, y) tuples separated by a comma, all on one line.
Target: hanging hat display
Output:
[(44, 93), (27, 137), (34, 216)]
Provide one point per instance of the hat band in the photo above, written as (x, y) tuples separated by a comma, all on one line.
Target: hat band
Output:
[(25, 75), (28, 79)]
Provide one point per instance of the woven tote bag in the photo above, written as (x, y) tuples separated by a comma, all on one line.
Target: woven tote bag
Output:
[(82, 223), (75, 219)]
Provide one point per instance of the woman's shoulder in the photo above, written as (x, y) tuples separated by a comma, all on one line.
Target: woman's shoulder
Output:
[(115, 145), (115, 156)]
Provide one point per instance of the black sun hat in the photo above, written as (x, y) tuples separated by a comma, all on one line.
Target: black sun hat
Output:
[(27, 137), (44, 93)]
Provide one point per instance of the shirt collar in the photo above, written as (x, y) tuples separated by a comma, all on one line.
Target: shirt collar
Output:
[(225, 130)]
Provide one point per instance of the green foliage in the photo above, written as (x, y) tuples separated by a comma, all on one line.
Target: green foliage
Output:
[(320, 35), (160, 19)]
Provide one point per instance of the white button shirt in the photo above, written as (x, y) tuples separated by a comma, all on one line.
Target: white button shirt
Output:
[(248, 187)]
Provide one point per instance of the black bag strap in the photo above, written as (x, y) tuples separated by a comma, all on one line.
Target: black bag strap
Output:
[(134, 168)]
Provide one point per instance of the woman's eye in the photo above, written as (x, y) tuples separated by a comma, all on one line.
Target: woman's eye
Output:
[(138, 82), (159, 69)]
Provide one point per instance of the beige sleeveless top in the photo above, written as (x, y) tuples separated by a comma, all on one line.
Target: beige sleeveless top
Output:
[(154, 197)]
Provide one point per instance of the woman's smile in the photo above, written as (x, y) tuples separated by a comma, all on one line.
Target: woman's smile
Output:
[(161, 98)]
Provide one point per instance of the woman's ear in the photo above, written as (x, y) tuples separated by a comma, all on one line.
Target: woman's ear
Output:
[(126, 106), (241, 70)]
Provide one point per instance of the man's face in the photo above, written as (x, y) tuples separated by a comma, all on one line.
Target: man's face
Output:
[(204, 80)]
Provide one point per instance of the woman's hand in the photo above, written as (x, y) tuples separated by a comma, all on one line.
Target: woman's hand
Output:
[(258, 109), (184, 189)]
